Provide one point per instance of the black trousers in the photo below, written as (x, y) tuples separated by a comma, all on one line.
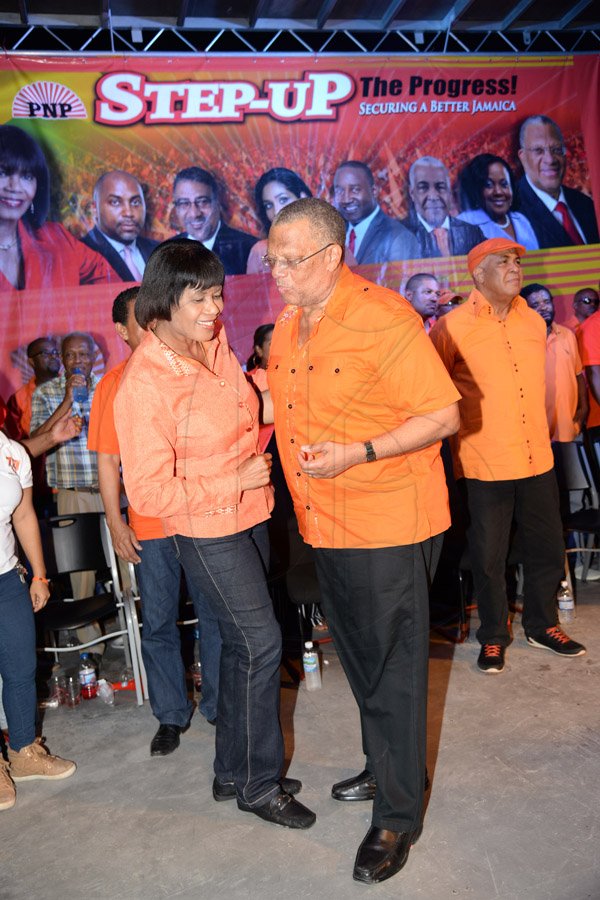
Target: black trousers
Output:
[(377, 608), (532, 504)]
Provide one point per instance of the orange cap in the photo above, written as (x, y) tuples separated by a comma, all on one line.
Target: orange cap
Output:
[(447, 296), (493, 245)]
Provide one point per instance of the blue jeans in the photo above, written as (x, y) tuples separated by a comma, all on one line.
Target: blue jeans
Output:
[(159, 575), (17, 660), (230, 573)]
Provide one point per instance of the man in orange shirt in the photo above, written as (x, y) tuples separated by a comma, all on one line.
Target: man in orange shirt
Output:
[(494, 347), (143, 542), (361, 403)]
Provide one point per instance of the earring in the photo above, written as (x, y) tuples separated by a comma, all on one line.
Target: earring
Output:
[(32, 209)]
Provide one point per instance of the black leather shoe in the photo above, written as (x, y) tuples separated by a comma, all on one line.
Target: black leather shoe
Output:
[(166, 739), (226, 790), (383, 853), (361, 787), (283, 809)]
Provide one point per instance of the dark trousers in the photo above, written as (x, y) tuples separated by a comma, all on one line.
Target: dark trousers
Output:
[(377, 608), (159, 574), (17, 660), (230, 573), (532, 504)]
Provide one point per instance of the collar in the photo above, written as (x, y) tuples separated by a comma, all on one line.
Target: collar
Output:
[(429, 228), (479, 306), (361, 227), (210, 242), (119, 246), (548, 201)]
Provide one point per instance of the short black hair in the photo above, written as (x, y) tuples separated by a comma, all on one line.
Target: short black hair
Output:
[(172, 267), (532, 288), (120, 307), (32, 344), (357, 164), (415, 281), (201, 176), (19, 152)]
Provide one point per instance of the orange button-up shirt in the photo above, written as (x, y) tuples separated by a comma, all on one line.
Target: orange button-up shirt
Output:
[(367, 367), (563, 365), (102, 437), (498, 367), (588, 338), (19, 410), (183, 431)]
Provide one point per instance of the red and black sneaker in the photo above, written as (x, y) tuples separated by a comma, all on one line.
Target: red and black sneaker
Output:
[(491, 658), (556, 640)]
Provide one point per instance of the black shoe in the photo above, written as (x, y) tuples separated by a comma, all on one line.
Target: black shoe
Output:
[(491, 659), (361, 787), (283, 809), (383, 853), (225, 790), (166, 739), (556, 640)]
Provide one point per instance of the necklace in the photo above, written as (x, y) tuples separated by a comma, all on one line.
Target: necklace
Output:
[(8, 246), (506, 222)]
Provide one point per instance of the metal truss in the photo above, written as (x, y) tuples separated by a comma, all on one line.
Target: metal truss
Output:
[(110, 38)]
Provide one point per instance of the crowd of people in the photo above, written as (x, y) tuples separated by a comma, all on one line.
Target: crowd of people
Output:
[(360, 386)]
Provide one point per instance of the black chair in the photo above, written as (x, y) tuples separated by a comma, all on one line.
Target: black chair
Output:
[(584, 525), (74, 543)]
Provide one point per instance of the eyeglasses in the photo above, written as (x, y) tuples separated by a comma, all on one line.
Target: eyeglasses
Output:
[(589, 301), (272, 261), (199, 202), (45, 353), (555, 151)]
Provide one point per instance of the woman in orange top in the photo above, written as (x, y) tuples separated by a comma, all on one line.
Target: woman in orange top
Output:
[(187, 424)]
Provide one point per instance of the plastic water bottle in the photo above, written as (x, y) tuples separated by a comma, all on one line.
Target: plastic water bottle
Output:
[(566, 604), (312, 672), (106, 692), (80, 391), (87, 677)]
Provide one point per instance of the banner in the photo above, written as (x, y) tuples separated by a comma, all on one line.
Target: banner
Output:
[(417, 127)]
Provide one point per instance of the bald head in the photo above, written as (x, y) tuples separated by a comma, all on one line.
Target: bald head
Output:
[(120, 206)]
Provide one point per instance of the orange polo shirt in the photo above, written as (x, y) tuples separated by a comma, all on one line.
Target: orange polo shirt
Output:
[(19, 409), (367, 367), (563, 365), (265, 432), (183, 431), (102, 437), (588, 338), (498, 367)]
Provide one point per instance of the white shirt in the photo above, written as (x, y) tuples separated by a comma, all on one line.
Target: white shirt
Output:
[(210, 242), (550, 203), (119, 246), (15, 476), (445, 224), (360, 229)]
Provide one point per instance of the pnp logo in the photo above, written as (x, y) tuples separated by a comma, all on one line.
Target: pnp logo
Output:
[(47, 100)]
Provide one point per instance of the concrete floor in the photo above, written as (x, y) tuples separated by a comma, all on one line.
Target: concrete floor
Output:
[(513, 811)]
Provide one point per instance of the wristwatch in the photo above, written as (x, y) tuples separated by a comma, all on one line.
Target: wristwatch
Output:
[(370, 452)]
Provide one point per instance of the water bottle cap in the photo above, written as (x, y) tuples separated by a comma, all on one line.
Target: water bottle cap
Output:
[(85, 656), (308, 645)]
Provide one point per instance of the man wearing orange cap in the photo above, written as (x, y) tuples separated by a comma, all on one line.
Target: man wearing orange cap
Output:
[(494, 348)]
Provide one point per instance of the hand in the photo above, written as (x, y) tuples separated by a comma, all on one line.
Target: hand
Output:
[(329, 459), (124, 541), (255, 472), (66, 428), (39, 593), (70, 382)]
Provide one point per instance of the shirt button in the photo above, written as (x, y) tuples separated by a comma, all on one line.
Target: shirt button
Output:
[(292, 441), (290, 406), (241, 405), (299, 474), (222, 383), (249, 428), (310, 368), (293, 371), (336, 371), (308, 507)]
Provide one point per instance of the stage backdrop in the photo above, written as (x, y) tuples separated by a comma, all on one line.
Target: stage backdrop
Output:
[(238, 117)]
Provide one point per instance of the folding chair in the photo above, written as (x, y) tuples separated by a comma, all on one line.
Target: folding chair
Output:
[(74, 543)]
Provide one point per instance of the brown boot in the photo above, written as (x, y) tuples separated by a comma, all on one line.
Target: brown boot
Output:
[(7, 789), (34, 762)]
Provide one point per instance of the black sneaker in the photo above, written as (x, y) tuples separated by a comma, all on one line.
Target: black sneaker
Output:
[(556, 640), (491, 659)]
